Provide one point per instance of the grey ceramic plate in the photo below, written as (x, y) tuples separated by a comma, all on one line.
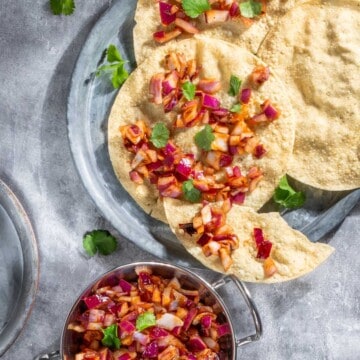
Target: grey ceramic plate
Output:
[(18, 267), (89, 103)]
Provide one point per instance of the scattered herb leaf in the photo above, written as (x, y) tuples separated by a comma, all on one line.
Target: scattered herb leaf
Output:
[(111, 338), (236, 108), (250, 9), (194, 8), (286, 196), (62, 7), (235, 84), (190, 192), (188, 90), (160, 135), (99, 241), (113, 54), (204, 138), (145, 320), (118, 72)]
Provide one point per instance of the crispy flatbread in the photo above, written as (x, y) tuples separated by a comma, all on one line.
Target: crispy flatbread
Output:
[(315, 48), (147, 20), (293, 254), (219, 60)]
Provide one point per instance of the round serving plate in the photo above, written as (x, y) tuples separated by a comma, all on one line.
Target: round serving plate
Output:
[(89, 104), (19, 264)]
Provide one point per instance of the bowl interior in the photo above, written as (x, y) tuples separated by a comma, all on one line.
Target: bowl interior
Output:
[(188, 279)]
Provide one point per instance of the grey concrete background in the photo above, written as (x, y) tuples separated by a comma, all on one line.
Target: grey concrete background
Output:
[(315, 317)]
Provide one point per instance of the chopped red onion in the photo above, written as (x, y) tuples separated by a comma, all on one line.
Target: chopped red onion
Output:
[(224, 329), (264, 250), (245, 96), (196, 344), (258, 236), (234, 9), (151, 350), (210, 102), (189, 318), (94, 301), (239, 198), (165, 13), (270, 112)]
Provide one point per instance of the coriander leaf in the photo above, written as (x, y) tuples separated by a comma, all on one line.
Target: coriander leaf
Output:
[(116, 65), (111, 338), (236, 108), (62, 7), (194, 8), (145, 320), (235, 84), (113, 54), (119, 76), (188, 90), (250, 9), (204, 138), (89, 245), (99, 240), (286, 196), (190, 192), (160, 135)]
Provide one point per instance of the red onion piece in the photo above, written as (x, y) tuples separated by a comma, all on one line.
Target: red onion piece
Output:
[(258, 236), (245, 96), (233, 150), (259, 151), (184, 168), (224, 329), (234, 9), (126, 328), (157, 332), (196, 344), (237, 172), (165, 13), (264, 250), (169, 148), (238, 199), (204, 239), (145, 278), (94, 301), (189, 318), (270, 112), (210, 102), (225, 160), (151, 350), (206, 321)]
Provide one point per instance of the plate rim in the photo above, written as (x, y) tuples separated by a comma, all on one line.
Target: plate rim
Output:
[(27, 295)]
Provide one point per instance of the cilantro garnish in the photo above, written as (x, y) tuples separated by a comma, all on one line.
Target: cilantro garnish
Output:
[(250, 9), (286, 196), (145, 320), (159, 135), (235, 84), (110, 338), (62, 7), (190, 192), (236, 108), (99, 241), (188, 90), (194, 8), (204, 138), (116, 66)]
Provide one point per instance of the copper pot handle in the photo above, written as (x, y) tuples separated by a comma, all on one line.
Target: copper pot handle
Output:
[(250, 304)]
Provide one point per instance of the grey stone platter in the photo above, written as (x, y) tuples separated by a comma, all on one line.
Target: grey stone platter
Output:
[(18, 267), (89, 104)]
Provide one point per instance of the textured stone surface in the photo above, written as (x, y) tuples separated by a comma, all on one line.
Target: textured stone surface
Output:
[(316, 317)]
